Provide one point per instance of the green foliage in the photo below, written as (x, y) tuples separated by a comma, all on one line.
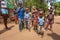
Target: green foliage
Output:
[(10, 4), (37, 3), (57, 6)]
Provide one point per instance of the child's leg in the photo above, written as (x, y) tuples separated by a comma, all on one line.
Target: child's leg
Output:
[(38, 28), (35, 27), (47, 25), (50, 26), (26, 24), (29, 25), (20, 25), (32, 23), (42, 31), (5, 22), (15, 17)]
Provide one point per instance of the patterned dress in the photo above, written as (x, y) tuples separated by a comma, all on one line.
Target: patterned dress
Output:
[(35, 19)]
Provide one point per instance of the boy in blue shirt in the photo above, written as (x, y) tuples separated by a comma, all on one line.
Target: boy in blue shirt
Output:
[(41, 23), (21, 16)]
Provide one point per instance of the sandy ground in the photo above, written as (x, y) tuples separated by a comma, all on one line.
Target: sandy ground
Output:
[(15, 34)]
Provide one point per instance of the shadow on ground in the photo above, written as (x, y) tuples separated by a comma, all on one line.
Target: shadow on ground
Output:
[(54, 36), (4, 30), (57, 22)]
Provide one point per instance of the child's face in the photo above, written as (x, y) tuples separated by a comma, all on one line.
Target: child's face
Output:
[(40, 15), (27, 10)]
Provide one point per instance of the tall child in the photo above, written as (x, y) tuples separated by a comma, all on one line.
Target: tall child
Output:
[(21, 12), (5, 14)]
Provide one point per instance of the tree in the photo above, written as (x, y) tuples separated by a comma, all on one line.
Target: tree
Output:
[(57, 7), (37, 3)]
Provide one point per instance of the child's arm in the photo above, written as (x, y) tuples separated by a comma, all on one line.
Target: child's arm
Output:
[(30, 16), (38, 21), (24, 18)]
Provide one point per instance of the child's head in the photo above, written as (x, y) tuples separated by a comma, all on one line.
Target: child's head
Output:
[(27, 9), (41, 13), (20, 4), (33, 9), (51, 9)]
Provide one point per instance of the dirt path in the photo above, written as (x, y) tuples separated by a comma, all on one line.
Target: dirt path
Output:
[(15, 34)]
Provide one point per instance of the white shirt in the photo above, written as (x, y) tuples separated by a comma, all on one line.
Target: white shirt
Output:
[(3, 4), (27, 16)]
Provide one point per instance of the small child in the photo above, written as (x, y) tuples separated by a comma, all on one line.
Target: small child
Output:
[(33, 12), (15, 15), (27, 18), (35, 20), (50, 20), (46, 21), (41, 23)]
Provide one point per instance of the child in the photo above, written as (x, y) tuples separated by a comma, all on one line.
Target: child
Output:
[(21, 11), (46, 21), (41, 23), (27, 18), (50, 20), (5, 16), (35, 22), (33, 11), (15, 15)]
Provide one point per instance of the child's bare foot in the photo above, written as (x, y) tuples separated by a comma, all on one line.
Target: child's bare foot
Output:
[(42, 34)]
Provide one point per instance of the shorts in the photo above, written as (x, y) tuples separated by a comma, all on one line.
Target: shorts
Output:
[(5, 15), (40, 29), (28, 24), (41, 25), (50, 21)]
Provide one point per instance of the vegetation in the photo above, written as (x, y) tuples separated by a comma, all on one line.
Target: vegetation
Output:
[(57, 7), (37, 3)]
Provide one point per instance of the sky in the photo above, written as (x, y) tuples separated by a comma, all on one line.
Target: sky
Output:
[(57, 0)]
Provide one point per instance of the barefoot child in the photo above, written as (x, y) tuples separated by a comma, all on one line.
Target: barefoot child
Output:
[(33, 11), (41, 23), (15, 15), (35, 21), (27, 18), (50, 20)]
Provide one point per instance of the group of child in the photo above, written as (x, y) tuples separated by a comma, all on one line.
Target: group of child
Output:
[(37, 19)]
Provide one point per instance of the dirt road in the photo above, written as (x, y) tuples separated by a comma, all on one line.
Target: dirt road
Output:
[(15, 34)]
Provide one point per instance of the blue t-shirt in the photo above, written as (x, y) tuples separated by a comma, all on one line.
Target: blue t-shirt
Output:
[(21, 13), (41, 21), (4, 11)]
